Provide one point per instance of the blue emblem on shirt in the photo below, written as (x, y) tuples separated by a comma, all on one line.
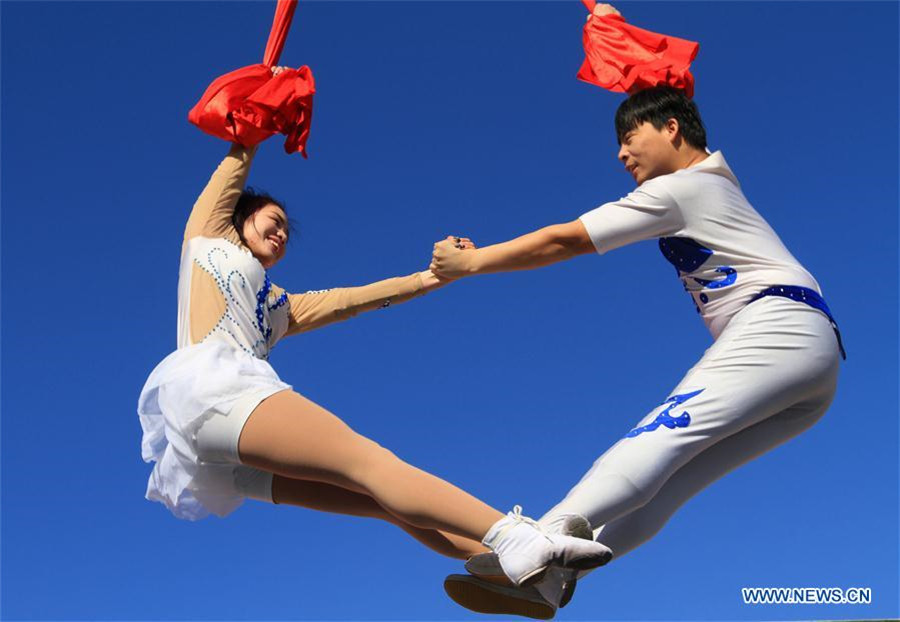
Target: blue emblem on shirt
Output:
[(667, 420), (688, 255), (730, 277), (684, 253)]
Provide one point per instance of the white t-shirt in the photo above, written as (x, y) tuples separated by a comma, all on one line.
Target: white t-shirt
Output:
[(723, 250)]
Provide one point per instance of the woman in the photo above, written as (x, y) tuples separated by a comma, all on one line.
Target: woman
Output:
[(221, 426)]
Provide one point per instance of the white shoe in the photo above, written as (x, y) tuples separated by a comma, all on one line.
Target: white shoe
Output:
[(558, 586), (526, 552)]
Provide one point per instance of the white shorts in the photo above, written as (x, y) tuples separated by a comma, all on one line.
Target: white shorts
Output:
[(217, 443), (214, 386)]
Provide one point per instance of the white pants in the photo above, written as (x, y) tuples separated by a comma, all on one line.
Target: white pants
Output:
[(769, 376)]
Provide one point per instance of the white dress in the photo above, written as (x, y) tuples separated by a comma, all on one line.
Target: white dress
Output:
[(199, 381)]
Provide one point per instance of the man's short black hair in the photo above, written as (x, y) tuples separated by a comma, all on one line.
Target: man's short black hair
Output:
[(657, 105)]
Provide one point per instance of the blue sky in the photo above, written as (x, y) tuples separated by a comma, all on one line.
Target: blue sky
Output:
[(432, 118)]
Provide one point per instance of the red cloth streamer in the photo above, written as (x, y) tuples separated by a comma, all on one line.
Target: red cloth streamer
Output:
[(284, 13), (624, 59), (249, 105)]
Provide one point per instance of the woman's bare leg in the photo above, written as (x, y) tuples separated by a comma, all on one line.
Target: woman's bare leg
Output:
[(330, 498), (291, 436)]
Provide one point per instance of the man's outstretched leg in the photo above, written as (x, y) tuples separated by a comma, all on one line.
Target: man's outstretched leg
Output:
[(749, 393), (630, 531)]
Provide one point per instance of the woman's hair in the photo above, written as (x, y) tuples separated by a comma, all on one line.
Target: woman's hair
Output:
[(657, 105), (251, 201)]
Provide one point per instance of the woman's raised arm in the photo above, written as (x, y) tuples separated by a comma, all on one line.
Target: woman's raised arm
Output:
[(211, 215)]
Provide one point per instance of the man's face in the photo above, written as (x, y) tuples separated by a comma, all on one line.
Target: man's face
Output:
[(648, 152)]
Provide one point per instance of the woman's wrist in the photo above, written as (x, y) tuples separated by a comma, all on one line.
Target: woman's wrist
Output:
[(431, 281)]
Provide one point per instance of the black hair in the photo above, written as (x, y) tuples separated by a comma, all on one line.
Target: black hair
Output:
[(251, 201), (657, 105)]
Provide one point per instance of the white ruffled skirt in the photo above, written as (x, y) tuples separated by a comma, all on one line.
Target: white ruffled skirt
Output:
[(188, 387)]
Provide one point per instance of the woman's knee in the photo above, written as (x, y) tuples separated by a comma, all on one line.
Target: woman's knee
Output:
[(368, 462)]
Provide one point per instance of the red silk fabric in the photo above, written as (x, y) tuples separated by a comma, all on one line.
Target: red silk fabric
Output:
[(624, 59), (284, 14), (249, 105)]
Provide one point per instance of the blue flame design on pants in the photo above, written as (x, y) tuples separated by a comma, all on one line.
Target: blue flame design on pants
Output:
[(664, 418)]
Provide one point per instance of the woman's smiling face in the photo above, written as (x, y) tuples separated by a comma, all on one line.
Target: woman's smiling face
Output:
[(266, 234)]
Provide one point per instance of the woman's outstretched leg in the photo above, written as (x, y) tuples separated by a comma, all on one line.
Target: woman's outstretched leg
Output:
[(330, 498), (291, 436)]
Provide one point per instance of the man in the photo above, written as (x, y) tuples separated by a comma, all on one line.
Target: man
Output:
[(770, 374)]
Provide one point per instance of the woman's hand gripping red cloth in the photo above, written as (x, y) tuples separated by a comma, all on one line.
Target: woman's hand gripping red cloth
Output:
[(624, 58), (251, 104)]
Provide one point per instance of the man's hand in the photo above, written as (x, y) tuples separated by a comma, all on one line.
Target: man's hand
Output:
[(453, 258)]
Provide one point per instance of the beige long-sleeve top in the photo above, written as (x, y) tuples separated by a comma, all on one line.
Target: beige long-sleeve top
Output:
[(225, 293)]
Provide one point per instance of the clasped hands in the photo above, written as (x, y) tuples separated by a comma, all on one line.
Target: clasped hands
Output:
[(453, 257)]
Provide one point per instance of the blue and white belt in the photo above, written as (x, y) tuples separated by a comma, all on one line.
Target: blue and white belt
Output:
[(807, 296)]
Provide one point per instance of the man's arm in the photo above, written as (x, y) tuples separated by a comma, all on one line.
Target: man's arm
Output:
[(533, 250)]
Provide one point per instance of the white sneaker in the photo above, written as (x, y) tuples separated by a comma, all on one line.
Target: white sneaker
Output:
[(526, 552), (558, 586)]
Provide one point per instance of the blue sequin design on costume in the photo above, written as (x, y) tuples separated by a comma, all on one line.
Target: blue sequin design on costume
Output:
[(730, 277), (261, 297), (684, 253), (224, 283), (688, 255), (667, 420)]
